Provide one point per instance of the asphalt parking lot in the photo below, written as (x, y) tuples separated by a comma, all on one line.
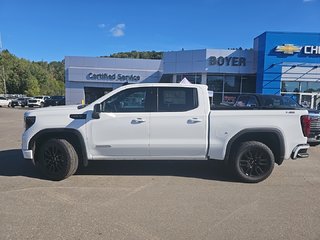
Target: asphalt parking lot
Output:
[(153, 199)]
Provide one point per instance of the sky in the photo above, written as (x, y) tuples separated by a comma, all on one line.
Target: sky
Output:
[(49, 30)]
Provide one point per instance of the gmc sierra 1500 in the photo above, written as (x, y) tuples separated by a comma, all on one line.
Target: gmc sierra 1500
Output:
[(163, 121)]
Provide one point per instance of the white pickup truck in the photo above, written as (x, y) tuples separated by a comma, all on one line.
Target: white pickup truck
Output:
[(163, 121)]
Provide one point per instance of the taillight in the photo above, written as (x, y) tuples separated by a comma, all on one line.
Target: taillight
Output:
[(305, 124)]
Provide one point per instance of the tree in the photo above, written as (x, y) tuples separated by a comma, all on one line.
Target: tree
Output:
[(138, 55), (32, 78), (33, 88)]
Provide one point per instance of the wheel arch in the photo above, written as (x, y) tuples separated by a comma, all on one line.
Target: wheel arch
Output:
[(271, 137), (71, 135)]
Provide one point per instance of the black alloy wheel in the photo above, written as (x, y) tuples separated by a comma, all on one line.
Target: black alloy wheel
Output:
[(57, 159), (54, 158), (253, 162)]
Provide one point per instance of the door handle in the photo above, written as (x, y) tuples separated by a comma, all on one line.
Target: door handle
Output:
[(194, 120), (137, 121)]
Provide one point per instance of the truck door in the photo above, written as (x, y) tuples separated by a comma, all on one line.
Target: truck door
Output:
[(178, 128), (123, 126)]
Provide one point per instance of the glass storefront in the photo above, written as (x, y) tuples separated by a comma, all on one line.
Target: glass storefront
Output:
[(305, 93), (303, 86), (227, 87)]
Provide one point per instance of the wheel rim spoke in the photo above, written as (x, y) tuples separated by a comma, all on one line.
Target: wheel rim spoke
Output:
[(259, 170), (254, 162), (54, 159)]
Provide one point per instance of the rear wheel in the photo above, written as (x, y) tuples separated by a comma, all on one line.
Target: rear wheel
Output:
[(57, 159), (253, 162)]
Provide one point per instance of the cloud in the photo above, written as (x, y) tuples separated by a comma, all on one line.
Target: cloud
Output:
[(101, 25), (306, 1), (118, 30)]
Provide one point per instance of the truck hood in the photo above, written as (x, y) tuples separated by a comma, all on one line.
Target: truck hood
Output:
[(56, 110)]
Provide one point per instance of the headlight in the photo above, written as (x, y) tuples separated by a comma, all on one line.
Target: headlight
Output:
[(29, 121)]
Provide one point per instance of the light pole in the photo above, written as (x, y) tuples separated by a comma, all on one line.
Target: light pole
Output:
[(3, 74)]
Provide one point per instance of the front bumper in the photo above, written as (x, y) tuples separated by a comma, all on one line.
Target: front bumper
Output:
[(300, 151)]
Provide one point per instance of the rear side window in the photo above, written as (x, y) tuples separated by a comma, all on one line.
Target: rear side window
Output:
[(273, 101), (171, 99)]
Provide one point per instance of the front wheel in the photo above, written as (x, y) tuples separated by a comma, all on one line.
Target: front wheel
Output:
[(57, 159), (253, 161)]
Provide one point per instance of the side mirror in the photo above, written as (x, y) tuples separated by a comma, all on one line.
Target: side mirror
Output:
[(96, 111)]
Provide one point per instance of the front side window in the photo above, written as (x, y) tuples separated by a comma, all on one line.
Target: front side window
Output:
[(130, 100), (172, 99)]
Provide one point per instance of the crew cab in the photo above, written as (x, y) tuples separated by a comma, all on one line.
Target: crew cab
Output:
[(163, 122)]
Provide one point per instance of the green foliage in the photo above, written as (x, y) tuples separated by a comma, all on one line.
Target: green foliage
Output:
[(31, 78), (136, 54), (33, 88)]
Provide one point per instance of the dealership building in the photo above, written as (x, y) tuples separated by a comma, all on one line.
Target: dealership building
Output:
[(279, 63)]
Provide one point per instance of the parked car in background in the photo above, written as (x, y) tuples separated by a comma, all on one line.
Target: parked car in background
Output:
[(314, 137), (22, 102), (37, 101), (5, 102), (55, 101)]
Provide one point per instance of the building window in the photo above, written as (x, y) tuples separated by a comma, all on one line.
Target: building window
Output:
[(232, 84), (306, 87), (309, 87), (166, 78), (290, 87), (248, 84), (227, 87), (93, 93), (193, 78), (215, 83)]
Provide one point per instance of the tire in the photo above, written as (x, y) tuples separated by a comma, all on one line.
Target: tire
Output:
[(57, 159), (41, 105), (253, 162)]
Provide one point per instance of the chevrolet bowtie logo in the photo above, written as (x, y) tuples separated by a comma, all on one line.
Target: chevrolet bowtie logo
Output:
[(288, 49)]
